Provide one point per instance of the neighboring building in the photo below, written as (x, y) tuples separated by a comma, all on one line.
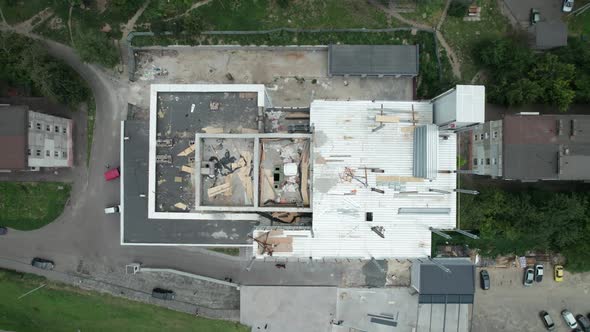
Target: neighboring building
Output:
[(31, 139), (368, 180), (532, 147), (548, 35), (373, 60)]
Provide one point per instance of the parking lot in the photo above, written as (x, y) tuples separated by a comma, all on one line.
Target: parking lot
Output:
[(509, 306)]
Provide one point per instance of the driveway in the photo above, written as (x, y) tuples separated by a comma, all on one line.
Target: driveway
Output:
[(509, 306), (521, 10)]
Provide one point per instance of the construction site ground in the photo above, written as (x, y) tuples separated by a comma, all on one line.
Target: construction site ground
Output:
[(293, 76)]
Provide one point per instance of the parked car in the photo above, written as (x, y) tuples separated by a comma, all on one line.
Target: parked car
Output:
[(485, 279), (535, 16), (112, 209), (42, 263), (584, 322), (568, 5), (547, 321), (112, 174), (558, 273), (162, 294), (569, 319), (539, 272), (3, 230), (529, 276)]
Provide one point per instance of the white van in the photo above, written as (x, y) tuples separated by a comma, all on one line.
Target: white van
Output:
[(112, 209)]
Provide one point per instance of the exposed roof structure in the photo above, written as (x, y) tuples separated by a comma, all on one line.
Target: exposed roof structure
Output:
[(426, 151), (373, 60), (546, 147), (550, 35), (360, 169), (13, 137), (438, 286)]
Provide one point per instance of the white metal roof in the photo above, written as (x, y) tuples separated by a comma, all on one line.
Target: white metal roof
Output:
[(343, 137)]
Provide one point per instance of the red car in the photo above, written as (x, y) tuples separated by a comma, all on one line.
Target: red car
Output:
[(112, 174)]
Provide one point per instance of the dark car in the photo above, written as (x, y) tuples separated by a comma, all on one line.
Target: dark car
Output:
[(42, 263), (529, 276), (539, 272), (485, 279), (162, 294), (3, 230), (547, 321), (583, 322)]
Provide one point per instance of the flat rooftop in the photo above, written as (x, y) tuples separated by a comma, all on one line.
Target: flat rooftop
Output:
[(374, 60), (13, 137)]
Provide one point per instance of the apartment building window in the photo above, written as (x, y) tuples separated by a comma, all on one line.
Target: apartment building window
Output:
[(494, 161), (57, 129), (474, 161), (38, 126), (48, 127), (495, 134), (481, 161), (487, 135), (64, 154), (487, 161), (30, 124), (29, 152), (38, 153), (475, 137), (65, 130), (55, 154), (481, 136), (47, 153)]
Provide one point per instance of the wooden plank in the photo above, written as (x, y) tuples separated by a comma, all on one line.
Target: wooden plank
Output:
[(211, 192), (177, 179), (187, 151), (305, 174), (180, 205), (387, 118), (297, 115), (213, 130), (187, 169), (249, 131), (396, 178)]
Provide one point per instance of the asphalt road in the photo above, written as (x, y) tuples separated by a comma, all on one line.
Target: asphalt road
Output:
[(84, 234)]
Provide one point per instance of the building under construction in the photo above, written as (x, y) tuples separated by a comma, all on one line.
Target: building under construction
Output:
[(366, 179)]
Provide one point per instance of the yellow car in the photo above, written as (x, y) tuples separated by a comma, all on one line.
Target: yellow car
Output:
[(558, 273)]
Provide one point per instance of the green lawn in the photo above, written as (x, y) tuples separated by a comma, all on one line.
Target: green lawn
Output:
[(462, 35), (227, 251), (31, 205), (266, 14), (18, 11), (58, 307), (427, 12), (580, 25)]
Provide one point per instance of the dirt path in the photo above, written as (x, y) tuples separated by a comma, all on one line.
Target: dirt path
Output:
[(70, 24), (3, 19), (194, 6), (453, 59), (28, 25), (130, 25)]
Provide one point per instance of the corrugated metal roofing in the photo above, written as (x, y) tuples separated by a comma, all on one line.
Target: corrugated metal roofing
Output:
[(373, 60), (426, 151), (344, 138)]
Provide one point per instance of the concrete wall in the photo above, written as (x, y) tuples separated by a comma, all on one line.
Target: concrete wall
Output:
[(50, 141)]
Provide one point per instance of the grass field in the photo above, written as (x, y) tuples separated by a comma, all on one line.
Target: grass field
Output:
[(58, 307), (580, 25), (427, 12), (227, 251), (31, 205), (462, 36)]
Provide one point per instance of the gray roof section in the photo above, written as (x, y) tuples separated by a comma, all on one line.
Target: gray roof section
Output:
[(139, 229), (13, 137), (13, 120), (436, 285), (426, 151), (550, 35), (373, 60)]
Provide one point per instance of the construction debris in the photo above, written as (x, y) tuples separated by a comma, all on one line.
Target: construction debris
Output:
[(211, 192), (187, 169)]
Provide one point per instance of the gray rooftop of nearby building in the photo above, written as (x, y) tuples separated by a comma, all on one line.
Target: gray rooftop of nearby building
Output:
[(437, 285), (546, 147), (138, 229), (373, 60), (550, 35), (13, 137)]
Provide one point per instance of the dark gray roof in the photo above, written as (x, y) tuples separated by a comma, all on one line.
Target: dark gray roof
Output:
[(437, 286), (13, 137), (550, 35), (139, 229), (373, 60), (546, 147)]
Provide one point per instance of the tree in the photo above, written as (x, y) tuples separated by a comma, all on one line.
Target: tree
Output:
[(193, 24), (96, 48)]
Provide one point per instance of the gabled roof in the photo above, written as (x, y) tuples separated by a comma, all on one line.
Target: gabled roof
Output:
[(13, 137)]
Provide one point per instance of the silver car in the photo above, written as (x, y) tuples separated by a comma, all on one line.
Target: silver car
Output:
[(569, 319), (529, 276)]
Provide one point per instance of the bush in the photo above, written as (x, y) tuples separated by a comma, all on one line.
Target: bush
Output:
[(96, 48), (457, 9)]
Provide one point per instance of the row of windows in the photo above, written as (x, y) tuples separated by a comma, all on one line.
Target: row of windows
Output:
[(56, 129), (489, 161), (64, 154), (485, 135)]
